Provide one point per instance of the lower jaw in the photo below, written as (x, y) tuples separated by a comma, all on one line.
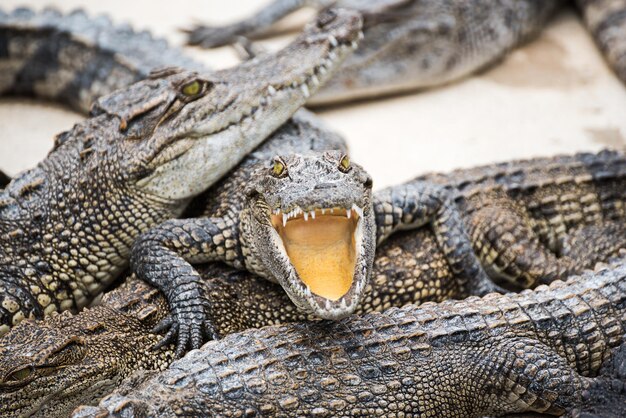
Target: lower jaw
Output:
[(324, 255)]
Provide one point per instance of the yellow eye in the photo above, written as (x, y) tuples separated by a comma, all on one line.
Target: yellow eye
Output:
[(279, 168), (21, 374), (192, 89), (344, 164)]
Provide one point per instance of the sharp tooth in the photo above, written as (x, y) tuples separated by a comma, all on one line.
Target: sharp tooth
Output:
[(315, 80), (305, 91), (332, 55), (333, 41), (294, 84), (285, 217), (358, 210), (353, 45), (306, 215), (348, 213), (344, 305), (322, 70), (361, 36), (328, 305), (312, 214), (332, 210), (323, 211), (271, 90)]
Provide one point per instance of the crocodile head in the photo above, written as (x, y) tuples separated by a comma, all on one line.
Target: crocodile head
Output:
[(48, 367), (185, 130), (309, 223)]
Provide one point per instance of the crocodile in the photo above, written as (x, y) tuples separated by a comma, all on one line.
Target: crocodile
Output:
[(133, 309), (416, 44), (311, 223), (536, 351), (67, 225), (116, 337)]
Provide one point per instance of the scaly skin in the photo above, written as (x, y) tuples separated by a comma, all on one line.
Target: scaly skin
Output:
[(519, 214), (415, 44), (67, 225), (74, 59), (409, 267), (515, 216), (264, 218), (531, 352), (134, 310)]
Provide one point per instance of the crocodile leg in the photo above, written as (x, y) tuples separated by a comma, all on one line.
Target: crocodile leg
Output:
[(163, 257), (256, 25), (510, 249), (606, 20), (415, 204)]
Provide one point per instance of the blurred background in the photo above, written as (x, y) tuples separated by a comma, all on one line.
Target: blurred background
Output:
[(555, 95)]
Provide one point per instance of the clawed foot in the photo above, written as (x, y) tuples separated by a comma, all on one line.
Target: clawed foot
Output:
[(188, 327), (210, 37)]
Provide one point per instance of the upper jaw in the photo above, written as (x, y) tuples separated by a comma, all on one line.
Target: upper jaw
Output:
[(216, 136)]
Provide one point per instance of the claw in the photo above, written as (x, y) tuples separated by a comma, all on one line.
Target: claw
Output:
[(210, 331), (170, 337), (163, 325)]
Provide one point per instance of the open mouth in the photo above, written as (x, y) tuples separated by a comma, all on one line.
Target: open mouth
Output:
[(323, 245)]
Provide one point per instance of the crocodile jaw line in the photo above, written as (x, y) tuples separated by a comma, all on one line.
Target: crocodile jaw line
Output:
[(224, 140), (322, 248)]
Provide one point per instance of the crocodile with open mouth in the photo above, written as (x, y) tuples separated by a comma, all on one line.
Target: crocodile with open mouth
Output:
[(308, 222), (67, 225), (414, 44), (311, 223)]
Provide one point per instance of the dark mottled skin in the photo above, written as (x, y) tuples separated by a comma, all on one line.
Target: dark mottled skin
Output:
[(67, 225), (535, 351), (414, 44), (74, 58)]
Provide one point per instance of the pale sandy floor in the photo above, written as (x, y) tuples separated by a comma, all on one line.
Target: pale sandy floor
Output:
[(556, 95)]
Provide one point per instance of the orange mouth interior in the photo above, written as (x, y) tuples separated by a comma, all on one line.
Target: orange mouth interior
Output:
[(322, 250)]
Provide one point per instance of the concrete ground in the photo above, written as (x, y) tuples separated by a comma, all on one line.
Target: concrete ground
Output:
[(555, 95)]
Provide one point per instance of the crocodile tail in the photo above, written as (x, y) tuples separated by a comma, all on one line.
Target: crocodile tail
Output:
[(606, 20), (74, 58)]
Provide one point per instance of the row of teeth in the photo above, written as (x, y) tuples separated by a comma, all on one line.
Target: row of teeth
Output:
[(320, 70), (297, 211), (328, 305)]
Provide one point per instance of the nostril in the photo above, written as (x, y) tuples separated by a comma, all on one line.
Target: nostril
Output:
[(326, 17), (322, 186)]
